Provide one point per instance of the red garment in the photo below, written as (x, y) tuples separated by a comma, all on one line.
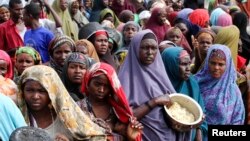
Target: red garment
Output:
[(4, 56), (199, 17), (158, 29), (118, 99), (240, 62), (118, 8), (9, 37), (172, 16)]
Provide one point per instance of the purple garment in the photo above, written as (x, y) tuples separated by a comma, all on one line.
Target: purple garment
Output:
[(222, 97), (184, 13), (142, 83)]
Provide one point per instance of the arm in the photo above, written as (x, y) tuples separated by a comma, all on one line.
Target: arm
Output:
[(145, 108), (54, 14)]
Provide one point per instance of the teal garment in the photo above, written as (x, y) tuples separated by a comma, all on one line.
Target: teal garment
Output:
[(10, 117), (189, 87)]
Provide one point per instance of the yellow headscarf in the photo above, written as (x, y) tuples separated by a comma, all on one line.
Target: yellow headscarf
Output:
[(73, 118), (229, 36)]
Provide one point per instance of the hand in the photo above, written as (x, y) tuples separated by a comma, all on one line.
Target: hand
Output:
[(61, 137), (194, 42), (134, 129), (163, 100)]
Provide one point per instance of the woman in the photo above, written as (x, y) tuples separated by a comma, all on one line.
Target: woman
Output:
[(45, 103), (221, 95), (73, 71), (4, 13), (203, 40), (68, 27), (87, 48), (175, 35), (200, 17), (59, 49), (6, 68), (108, 14), (147, 87), (157, 23), (10, 117), (76, 14), (25, 57), (177, 64), (106, 103)]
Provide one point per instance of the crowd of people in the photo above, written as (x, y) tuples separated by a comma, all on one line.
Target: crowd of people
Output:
[(98, 70)]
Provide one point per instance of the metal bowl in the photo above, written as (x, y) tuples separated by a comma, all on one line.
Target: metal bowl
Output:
[(192, 106)]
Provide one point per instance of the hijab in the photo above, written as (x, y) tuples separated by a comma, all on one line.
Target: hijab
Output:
[(4, 56)]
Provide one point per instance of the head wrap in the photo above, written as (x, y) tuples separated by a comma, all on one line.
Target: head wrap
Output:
[(30, 51), (4, 56)]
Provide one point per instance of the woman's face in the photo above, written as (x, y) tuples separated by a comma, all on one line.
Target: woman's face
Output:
[(184, 67), (162, 17), (147, 52), (61, 53), (204, 42), (3, 67), (174, 37), (99, 87), (217, 67), (110, 18), (129, 32), (120, 2), (23, 61), (76, 72), (101, 44), (88, 3), (182, 27), (63, 5), (82, 49), (4, 14), (35, 95), (74, 7)]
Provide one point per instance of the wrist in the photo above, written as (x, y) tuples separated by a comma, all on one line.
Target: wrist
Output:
[(149, 105)]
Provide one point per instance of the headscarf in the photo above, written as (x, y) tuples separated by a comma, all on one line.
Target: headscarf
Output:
[(199, 17), (8, 88), (67, 24), (171, 17), (10, 117), (30, 51), (152, 24), (183, 42), (221, 94), (229, 36), (90, 47), (73, 89), (135, 79), (219, 17), (4, 56), (55, 43), (184, 13), (118, 8), (79, 18), (106, 11), (73, 118), (190, 87), (215, 15)]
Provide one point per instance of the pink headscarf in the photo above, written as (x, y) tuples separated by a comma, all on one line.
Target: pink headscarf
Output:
[(4, 56)]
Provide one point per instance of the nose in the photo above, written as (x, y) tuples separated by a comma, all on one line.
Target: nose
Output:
[(101, 89), (35, 96)]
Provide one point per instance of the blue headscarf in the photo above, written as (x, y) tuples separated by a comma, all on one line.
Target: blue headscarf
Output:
[(222, 97), (190, 87)]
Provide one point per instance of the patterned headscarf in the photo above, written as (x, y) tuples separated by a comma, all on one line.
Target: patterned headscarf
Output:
[(90, 47), (32, 52), (221, 94), (4, 56), (73, 118)]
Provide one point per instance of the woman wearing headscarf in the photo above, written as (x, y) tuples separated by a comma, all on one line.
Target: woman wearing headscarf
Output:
[(221, 95), (108, 14), (142, 65), (119, 5), (73, 71), (59, 49), (45, 103), (157, 23), (240, 20), (25, 57), (204, 39), (219, 17), (126, 15), (76, 14), (68, 27), (90, 49), (107, 105), (184, 13), (177, 64), (6, 65)]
